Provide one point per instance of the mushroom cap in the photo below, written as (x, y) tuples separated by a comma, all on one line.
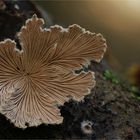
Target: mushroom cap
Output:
[(34, 80)]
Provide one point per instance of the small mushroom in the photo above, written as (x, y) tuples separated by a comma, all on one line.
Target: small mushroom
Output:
[(87, 127), (40, 76), (2, 5)]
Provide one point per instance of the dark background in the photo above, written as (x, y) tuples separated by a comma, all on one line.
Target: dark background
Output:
[(117, 20)]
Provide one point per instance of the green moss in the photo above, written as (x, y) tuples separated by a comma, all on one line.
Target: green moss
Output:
[(134, 89), (135, 92), (108, 75)]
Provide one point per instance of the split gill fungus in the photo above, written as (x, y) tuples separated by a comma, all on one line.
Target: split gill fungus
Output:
[(40, 76)]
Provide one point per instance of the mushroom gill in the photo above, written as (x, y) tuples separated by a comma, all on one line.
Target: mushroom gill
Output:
[(34, 80)]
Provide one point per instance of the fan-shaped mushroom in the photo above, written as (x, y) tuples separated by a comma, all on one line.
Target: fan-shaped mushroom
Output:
[(33, 80)]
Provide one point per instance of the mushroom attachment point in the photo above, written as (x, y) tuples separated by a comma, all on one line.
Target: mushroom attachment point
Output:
[(40, 76)]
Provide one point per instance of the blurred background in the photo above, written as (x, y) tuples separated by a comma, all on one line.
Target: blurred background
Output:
[(117, 20)]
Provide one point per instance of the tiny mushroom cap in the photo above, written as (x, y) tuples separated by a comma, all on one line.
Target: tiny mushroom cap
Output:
[(86, 127), (34, 80)]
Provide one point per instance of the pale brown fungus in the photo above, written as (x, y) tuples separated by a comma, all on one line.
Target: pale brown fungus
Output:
[(33, 80)]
